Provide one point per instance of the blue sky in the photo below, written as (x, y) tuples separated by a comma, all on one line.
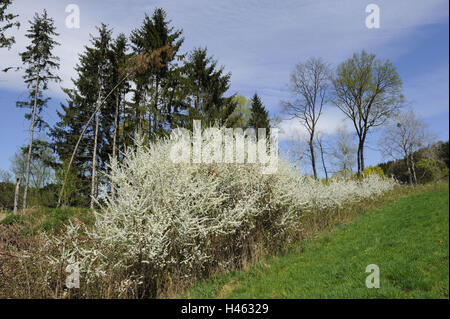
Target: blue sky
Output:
[(259, 41)]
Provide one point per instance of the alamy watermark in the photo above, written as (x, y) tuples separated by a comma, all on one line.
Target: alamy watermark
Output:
[(226, 145), (73, 19), (73, 279), (373, 280), (373, 17)]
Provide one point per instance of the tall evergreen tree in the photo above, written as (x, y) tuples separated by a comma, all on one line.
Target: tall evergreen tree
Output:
[(94, 84), (161, 42), (259, 117), (95, 80), (40, 63), (73, 116), (118, 57), (206, 85)]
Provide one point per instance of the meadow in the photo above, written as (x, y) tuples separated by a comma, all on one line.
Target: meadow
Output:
[(408, 239), (168, 225)]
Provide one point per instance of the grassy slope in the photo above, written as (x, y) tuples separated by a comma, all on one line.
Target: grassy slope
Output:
[(408, 239), (47, 219)]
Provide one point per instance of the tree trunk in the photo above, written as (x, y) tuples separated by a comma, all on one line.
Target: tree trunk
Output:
[(82, 134), (413, 168), (141, 127), (323, 162), (94, 164), (362, 159), (155, 115), (33, 118), (313, 159), (359, 160), (16, 195), (361, 165), (137, 122), (408, 167), (116, 120), (362, 141), (149, 124)]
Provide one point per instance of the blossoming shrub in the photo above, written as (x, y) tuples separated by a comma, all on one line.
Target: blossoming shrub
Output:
[(172, 221)]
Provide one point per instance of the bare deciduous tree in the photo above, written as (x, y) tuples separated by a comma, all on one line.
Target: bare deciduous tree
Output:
[(343, 152), (296, 149), (405, 135), (308, 85)]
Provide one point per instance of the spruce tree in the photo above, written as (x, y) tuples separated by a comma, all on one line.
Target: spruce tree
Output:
[(40, 64), (93, 83), (72, 118), (259, 117), (118, 58), (206, 85), (156, 38)]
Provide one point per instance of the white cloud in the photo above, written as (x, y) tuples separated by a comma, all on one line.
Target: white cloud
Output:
[(329, 122), (258, 40)]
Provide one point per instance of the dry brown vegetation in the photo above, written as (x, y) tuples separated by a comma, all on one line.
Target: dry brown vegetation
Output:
[(25, 272)]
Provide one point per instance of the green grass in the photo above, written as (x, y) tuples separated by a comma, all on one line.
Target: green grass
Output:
[(408, 239), (48, 219)]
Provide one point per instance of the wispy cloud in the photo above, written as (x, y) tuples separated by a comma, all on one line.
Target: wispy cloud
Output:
[(258, 40)]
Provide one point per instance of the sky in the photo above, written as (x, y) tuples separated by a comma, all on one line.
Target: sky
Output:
[(259, 42)]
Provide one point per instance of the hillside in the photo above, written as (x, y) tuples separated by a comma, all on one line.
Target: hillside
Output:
[(408, 239)]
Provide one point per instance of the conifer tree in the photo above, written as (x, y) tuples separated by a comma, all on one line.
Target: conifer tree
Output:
[(40, 64), (259, 117), (94, 81), (206, 85), (65, 133), (161, 42), (118, 57)]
